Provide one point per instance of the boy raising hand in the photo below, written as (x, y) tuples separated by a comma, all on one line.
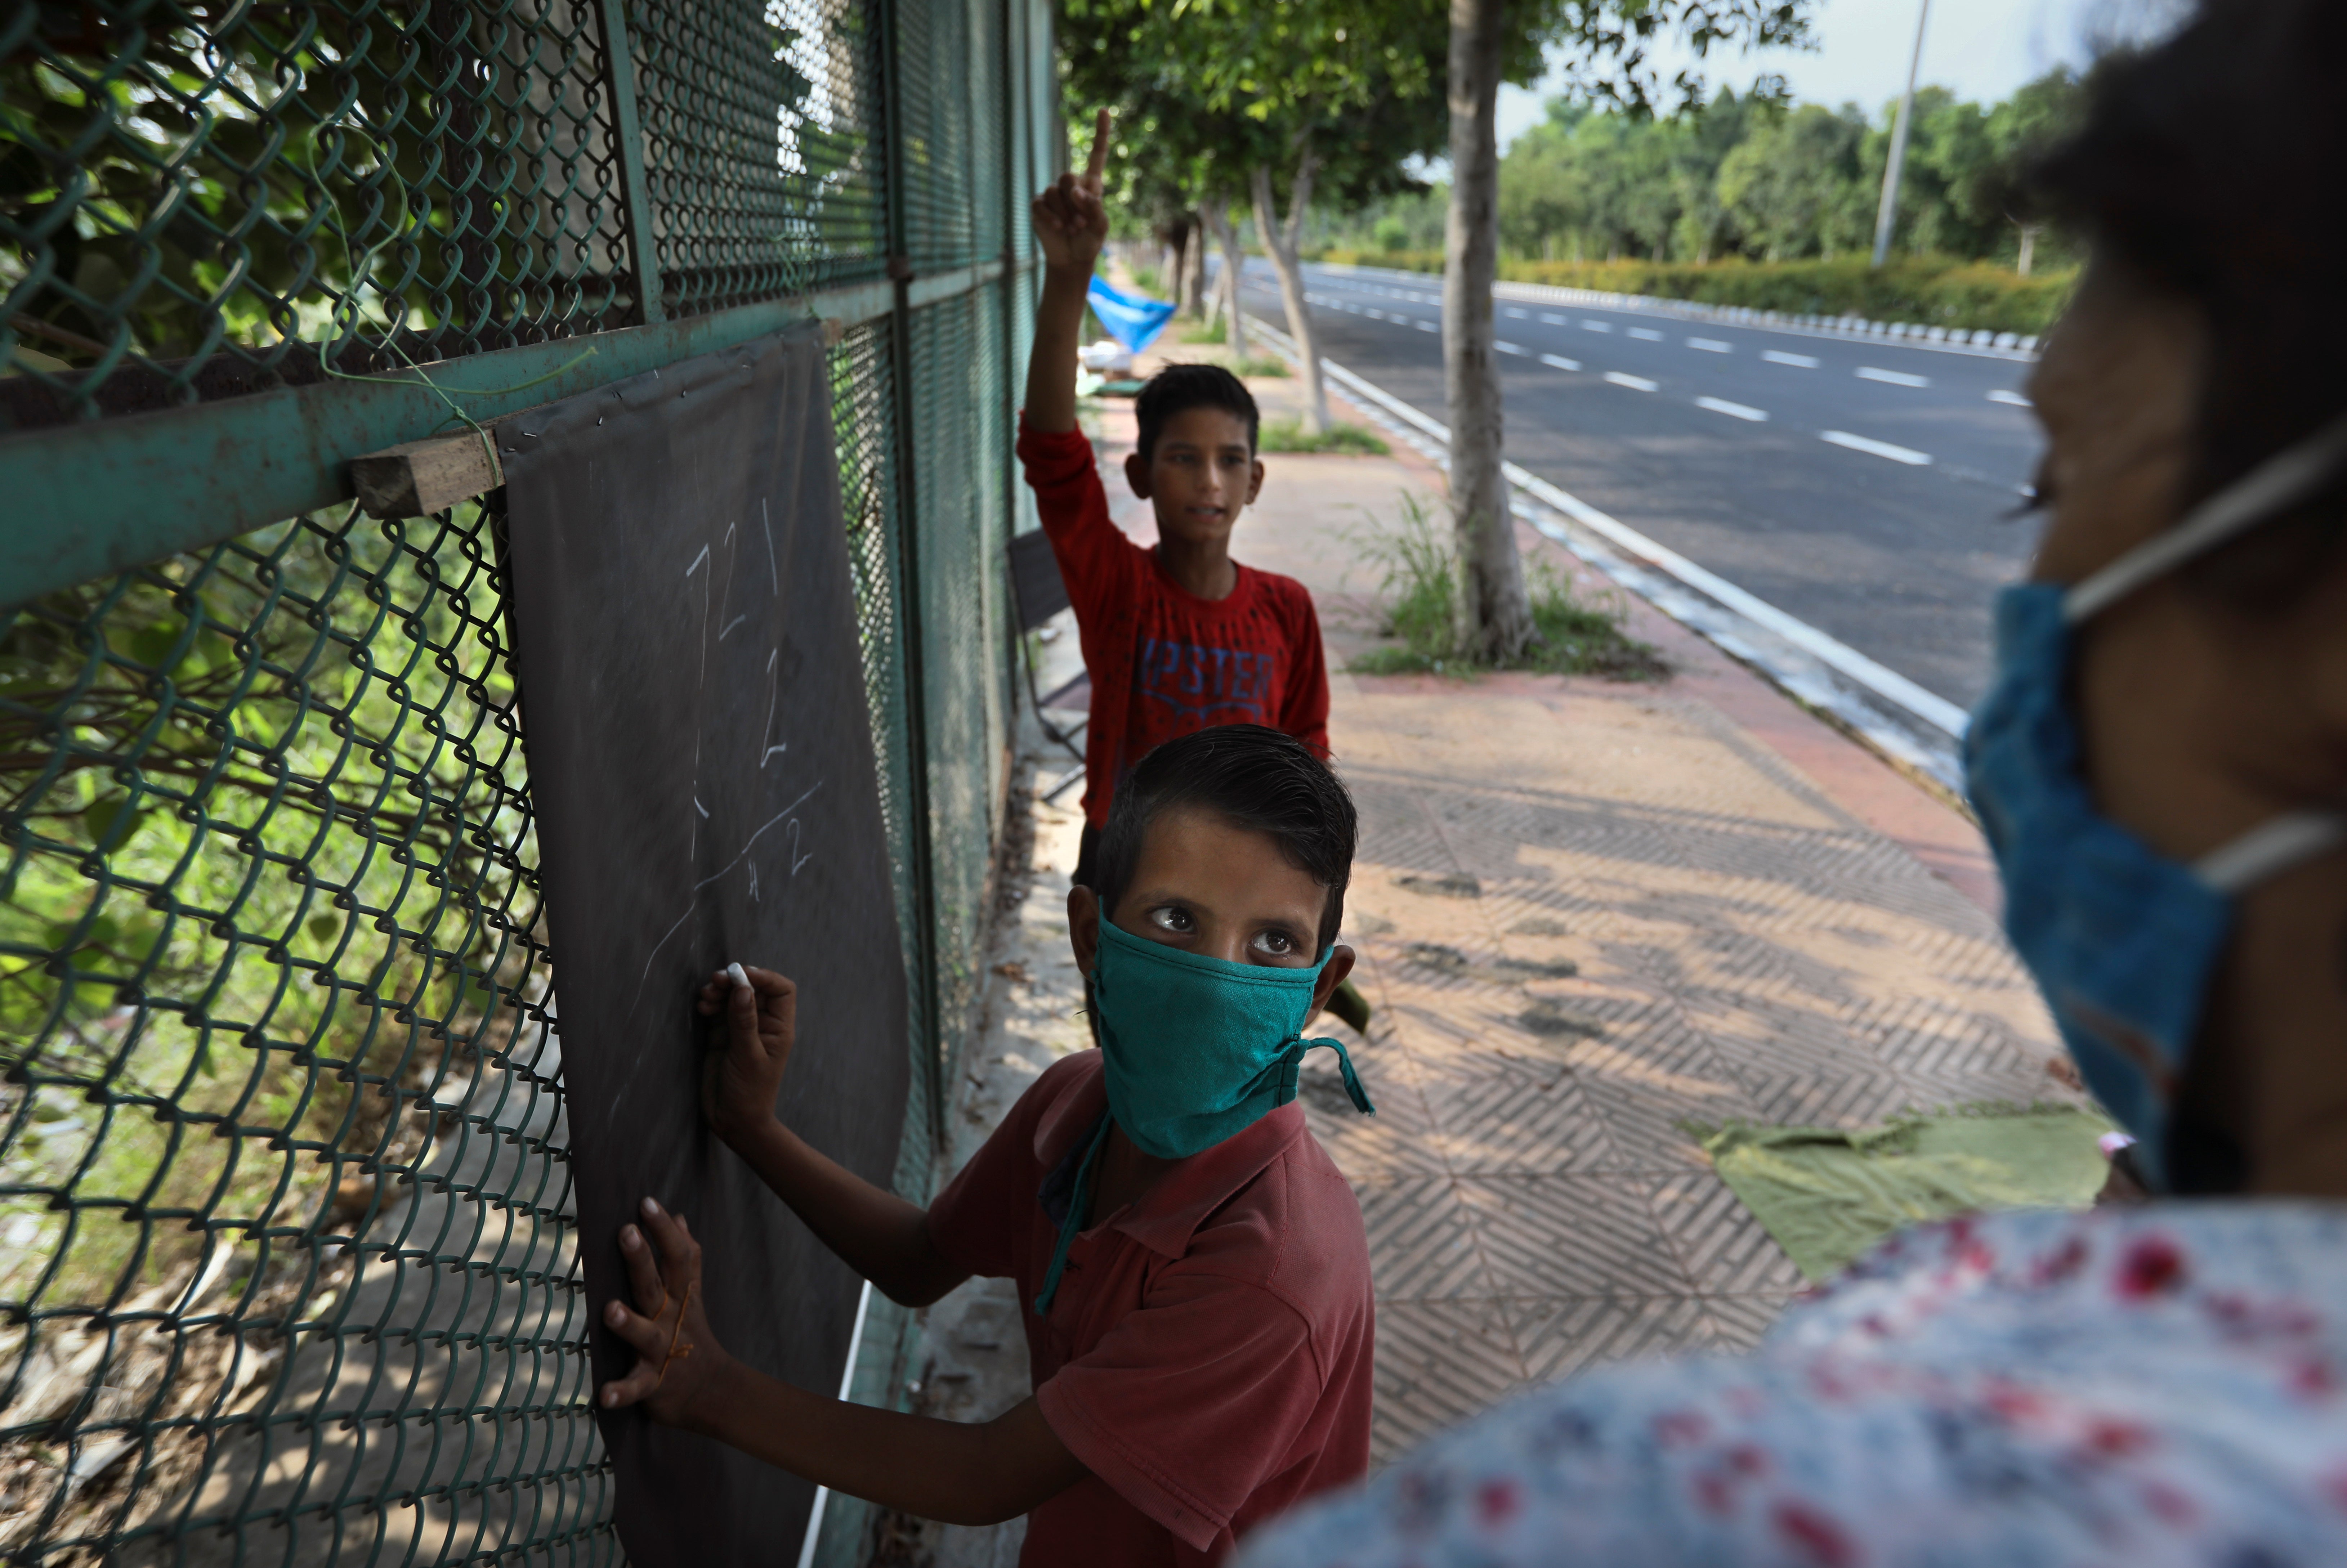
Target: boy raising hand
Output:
[(1179, 637)]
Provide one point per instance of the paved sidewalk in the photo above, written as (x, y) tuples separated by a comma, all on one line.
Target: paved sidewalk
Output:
[(1586, 913)]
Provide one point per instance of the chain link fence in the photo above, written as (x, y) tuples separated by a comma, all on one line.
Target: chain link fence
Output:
[(288, 1256)]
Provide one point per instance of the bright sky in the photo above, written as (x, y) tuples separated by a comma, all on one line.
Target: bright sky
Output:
[(1982, 48)]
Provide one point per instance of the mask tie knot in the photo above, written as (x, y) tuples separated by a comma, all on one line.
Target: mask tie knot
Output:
[(1293, 1068)]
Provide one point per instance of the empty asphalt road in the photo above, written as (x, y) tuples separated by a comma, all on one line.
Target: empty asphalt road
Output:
[(1868, 487)]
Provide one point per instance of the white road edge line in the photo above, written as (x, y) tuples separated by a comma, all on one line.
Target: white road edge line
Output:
[(1894, 377), (1887, 684), (846, 1380), (1734, 410), (1907, 455), (1635, 382), (1557, 360)]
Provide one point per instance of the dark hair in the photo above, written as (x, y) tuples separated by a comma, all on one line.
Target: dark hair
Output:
[(1257, 778), (1180, 386), (2207, 166)]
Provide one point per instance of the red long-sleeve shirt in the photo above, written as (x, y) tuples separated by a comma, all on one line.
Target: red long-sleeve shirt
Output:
[(1163, 661)]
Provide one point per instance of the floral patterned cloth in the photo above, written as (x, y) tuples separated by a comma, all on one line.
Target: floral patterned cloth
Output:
[(2137, 1387)]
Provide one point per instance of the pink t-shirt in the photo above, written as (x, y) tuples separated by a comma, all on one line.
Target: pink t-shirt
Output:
[(1208, 1356)]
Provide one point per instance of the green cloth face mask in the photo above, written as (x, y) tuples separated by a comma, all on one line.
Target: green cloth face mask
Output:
[(1194, 1050), (1198, 1049)]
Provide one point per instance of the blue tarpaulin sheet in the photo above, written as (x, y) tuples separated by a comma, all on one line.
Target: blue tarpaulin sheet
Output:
[(1133, 320)]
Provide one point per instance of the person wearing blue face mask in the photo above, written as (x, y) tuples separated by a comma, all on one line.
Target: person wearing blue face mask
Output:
[(1194, 1267), (2160, 771)]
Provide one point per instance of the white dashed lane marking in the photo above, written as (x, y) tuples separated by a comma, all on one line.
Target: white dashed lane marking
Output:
[(1648, 333), (1710, 345), (1515, 315), (1635, 382), (1733, 410), (1907, 455), (1552, 319), (2015, 398), (1560, 362), (1779, 356), (1512, 348), (1597, 326), (1427, 326), (1894, 377)]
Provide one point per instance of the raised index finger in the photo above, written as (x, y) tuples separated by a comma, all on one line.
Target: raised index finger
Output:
[(1097, 164)]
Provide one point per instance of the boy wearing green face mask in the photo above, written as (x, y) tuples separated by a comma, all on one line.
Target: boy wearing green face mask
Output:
[(1193, 1267)]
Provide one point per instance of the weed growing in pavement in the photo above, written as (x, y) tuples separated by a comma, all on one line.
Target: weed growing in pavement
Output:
[(1290, 435), (1579, 634)]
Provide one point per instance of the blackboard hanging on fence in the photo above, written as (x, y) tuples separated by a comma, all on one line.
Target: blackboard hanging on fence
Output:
[(701, 757)]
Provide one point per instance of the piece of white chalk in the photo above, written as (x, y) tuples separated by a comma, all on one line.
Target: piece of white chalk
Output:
[(733, 972)]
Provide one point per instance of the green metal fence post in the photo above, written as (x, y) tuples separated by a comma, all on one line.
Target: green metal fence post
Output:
[(620, 81), (908, 523)]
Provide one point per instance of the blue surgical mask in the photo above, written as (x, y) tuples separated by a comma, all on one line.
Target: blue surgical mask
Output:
[(2122, 939)]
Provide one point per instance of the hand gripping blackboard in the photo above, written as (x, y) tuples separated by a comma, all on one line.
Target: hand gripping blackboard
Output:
[(701, 764)]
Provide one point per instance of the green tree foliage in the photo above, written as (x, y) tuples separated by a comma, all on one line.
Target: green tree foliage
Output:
[(1756, 178)]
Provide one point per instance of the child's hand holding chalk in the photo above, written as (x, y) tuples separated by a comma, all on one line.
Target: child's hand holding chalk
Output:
[(742, 1076)]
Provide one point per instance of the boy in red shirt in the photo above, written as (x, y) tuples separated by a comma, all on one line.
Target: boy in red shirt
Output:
[(1193, 1266), (1179, 637)]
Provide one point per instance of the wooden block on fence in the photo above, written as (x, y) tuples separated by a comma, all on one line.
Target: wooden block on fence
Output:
[(420, 476)]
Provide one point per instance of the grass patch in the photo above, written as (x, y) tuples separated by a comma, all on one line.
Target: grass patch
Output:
[(1581, 633), (1290, 435), (1204, 332), (1259, 365), (1927, 290)]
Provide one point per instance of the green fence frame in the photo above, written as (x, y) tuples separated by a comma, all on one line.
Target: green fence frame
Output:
[(288, 1268)]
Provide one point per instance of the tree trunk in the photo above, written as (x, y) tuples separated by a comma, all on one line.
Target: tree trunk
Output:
[(2028, 247), (1217, 214), (1193, 272), (1496, 612), (1209, 229), (1281, 242)]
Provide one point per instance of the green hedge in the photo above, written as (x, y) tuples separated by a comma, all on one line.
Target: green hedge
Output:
[(1934, 291)]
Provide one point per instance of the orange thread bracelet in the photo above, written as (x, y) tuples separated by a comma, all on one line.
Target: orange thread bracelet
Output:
[(683, 1302)]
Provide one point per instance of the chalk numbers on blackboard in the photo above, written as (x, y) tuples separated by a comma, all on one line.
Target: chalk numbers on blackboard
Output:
[(768, 747)]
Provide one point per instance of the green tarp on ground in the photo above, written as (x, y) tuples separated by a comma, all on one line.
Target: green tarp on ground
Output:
[(1828, 1194)]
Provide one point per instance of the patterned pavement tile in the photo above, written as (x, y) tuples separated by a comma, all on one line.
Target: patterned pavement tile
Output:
[(1722, 1245), (1591, 1235), (1853, 1099), (1588, 915), (1399, 1140), (1560, 1336), (1423, 1241), (1647, 1124), (1437, 1362), (1519, 1123)]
